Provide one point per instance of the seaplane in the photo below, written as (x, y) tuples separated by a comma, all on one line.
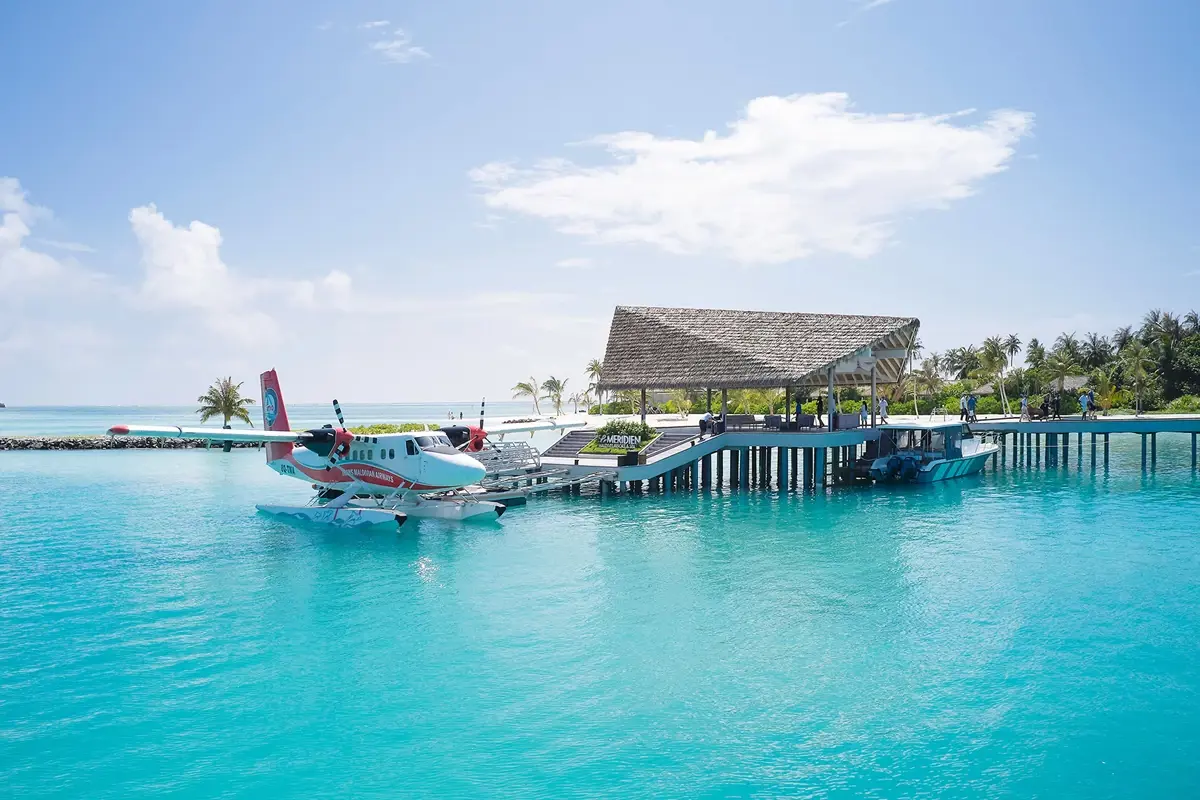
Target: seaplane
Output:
[(363, 480)]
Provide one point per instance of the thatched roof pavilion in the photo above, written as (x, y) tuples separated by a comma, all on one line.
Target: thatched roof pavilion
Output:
[(694, 348)]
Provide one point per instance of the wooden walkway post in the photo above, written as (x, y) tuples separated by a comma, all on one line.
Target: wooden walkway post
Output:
[(1106, 451), (1143, 452)]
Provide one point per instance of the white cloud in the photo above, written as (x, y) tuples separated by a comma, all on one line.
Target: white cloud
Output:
[(574, 263), (379, 23), (875, 4), (399, 49), (795, 175), (184, 270), (71, 247), (19, 265)]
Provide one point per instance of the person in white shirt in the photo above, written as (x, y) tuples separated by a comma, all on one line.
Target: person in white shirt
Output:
[(962, 408), (706, 423), (883, 410)]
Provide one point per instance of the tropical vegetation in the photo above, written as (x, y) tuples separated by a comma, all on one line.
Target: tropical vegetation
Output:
[(1153, 366), (224, 399)]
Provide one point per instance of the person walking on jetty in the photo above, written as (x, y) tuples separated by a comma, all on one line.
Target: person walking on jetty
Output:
[(883, 404), (863, 414), (820, 411), (971, 401), (1025, 406), (1057, 405), (962, 408)]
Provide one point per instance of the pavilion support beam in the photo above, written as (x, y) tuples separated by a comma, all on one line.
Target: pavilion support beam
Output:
[(720, 468), (706, 472), (787, 404), (829, 407), (873, 400), (643, 406), (744, 478), (819, 467), (708, 400)]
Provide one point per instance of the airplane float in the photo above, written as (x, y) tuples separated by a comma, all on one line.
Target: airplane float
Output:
[(366, 479)]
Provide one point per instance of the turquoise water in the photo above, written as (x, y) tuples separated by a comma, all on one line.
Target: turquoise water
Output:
[(1012, 635), (78, 420)]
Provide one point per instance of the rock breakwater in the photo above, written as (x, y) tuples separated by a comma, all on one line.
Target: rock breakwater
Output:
[(105, 443)]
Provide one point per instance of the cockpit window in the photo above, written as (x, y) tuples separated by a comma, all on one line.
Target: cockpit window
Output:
[(426, 441), (411, 446)]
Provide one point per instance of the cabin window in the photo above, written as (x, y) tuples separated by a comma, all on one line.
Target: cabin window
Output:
[(374, 440), (370, 455), (412, 447), (391, 453), (937, 442)]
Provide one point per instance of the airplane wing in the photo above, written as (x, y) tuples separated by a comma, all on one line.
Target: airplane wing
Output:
[(209, 434), (551, 424)]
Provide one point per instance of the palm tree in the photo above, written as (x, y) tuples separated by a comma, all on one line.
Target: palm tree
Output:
[(1060, 365), (1068, 344), (934, 360), (927, 380), (1096, 351), (594, 368), (1138, 362), (962, 361), (1106, 388), (1012, 346), (1035, 354), (554, 389), (224, 399), (528, 389), (1122, 337), (993, 360), (1192, 321), (1150, 325)]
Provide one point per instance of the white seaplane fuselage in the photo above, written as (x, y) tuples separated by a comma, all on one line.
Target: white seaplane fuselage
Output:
[(365, 479)]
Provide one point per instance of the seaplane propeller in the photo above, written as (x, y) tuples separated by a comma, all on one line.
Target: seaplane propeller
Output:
[(341, 444)]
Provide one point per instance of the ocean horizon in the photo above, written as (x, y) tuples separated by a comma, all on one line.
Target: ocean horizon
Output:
[(85, 420)]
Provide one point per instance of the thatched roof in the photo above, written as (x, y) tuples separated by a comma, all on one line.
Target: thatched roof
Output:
[(693, 348)]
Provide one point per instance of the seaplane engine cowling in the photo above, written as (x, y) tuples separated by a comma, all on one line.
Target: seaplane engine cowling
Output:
[(468, 438)]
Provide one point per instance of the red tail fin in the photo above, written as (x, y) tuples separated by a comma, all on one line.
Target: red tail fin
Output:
[(274, 414)]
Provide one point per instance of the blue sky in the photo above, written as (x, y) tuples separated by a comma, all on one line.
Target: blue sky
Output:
[(438, 205)]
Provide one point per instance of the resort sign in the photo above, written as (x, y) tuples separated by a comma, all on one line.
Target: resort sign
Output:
[(619, 440), (619, 437)]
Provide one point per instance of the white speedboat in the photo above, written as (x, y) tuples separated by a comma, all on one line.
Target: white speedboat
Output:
[(924, 453)]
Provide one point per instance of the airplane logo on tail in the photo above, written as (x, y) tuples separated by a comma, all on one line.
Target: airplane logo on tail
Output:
[(270, 406)]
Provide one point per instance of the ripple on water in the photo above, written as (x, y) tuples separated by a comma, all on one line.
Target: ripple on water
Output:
[(1019, 634)]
